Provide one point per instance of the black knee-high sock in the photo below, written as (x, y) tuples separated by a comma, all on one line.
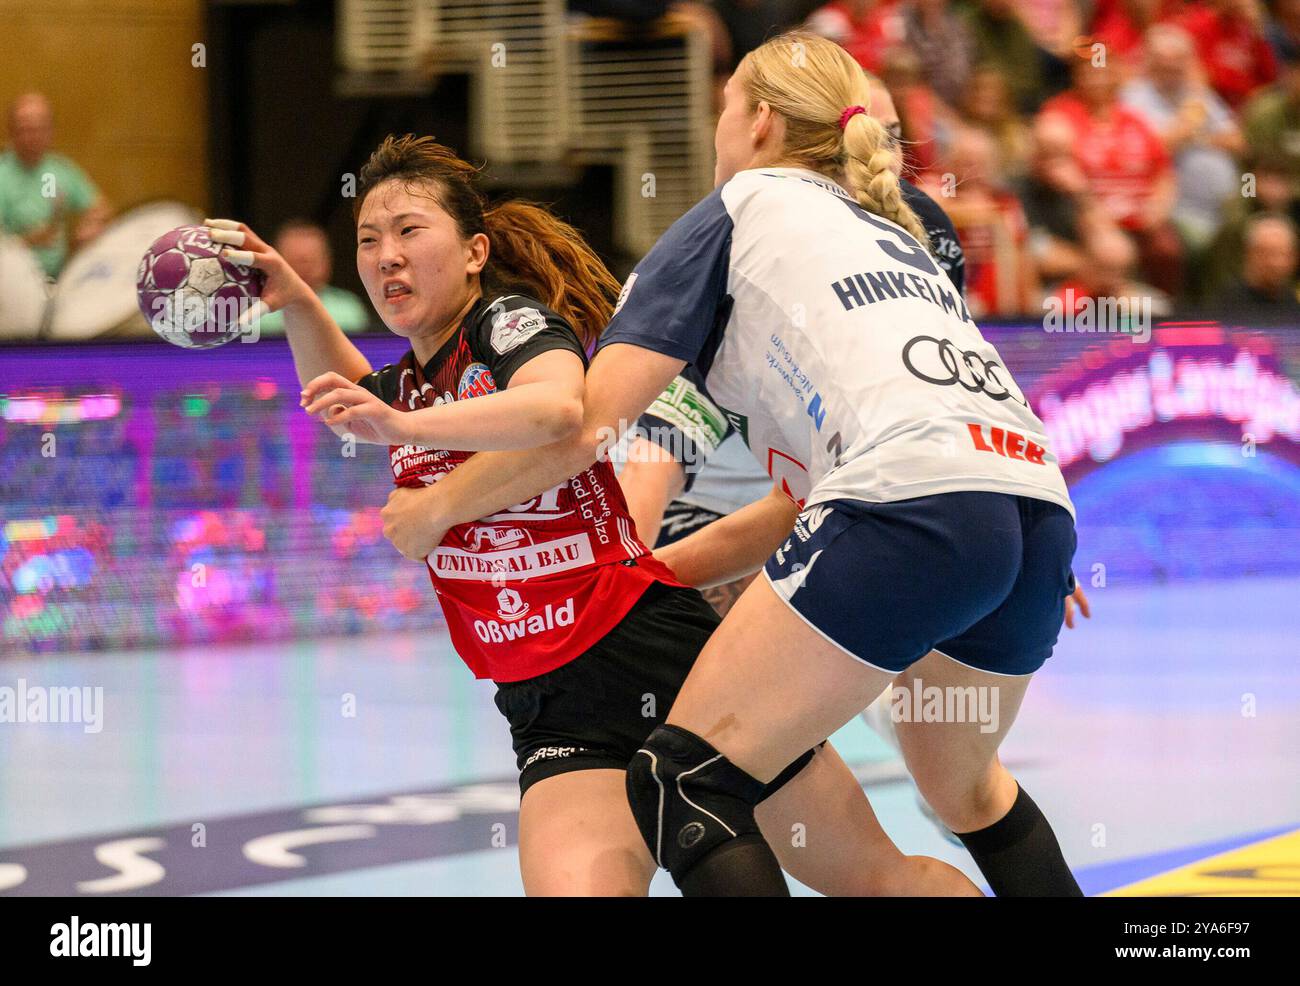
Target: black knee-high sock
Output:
[(743, 867), (1019, 854)]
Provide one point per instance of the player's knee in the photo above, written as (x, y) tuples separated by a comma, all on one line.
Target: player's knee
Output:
[(688, 799), (963, 802)]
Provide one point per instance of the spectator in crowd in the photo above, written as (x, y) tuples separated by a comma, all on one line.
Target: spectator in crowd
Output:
[(1265, 190), (1059, 207), (1055, 24), (1268, 277), (1108, 272), (866, 29), (1232, 46), (42, 192), (991, 226), (306, 249), (989, 106), (1198, 130), (1128, 169), (1003, 40), (928, 123), (1272, 119), (943, 43), (1284, 28), (1122, 26)]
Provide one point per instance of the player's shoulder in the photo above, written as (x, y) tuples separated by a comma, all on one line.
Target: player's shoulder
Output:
[(762, 200), (761, 183), (509, 330), (695, 242), (505, 321), (704, 220)]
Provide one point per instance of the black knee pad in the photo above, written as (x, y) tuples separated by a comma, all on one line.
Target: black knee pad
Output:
[(688, 799)]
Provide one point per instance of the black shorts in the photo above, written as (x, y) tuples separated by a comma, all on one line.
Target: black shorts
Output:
[(596, 711)]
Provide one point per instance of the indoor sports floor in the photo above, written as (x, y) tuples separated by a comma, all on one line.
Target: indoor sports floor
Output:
[(1161, 740)]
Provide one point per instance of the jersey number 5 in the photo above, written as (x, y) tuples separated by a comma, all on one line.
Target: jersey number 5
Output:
[(911, 253)]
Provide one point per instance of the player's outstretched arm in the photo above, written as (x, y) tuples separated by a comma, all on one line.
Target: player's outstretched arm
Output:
[(318, 344), (732, 546), (621, 383), (541, 405)]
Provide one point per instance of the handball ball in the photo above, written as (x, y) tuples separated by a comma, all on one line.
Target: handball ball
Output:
[(191, 295)]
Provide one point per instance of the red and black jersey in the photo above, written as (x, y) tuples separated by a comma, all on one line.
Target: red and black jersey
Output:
[(532, 587)]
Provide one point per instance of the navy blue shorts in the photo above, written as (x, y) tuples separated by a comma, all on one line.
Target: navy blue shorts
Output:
[(980, 577)]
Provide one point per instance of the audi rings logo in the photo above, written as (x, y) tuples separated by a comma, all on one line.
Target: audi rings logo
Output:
[(939, 362)]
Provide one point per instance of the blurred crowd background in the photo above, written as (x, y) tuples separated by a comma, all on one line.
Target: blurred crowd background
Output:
[(1083, 148), (1109, 148)]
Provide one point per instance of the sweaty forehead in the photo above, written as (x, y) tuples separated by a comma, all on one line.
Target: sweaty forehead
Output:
[(395, 198)]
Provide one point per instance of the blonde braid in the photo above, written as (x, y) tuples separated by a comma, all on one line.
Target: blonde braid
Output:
[(810, 82), (869, 173)]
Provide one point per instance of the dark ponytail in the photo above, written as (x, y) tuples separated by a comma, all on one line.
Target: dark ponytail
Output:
[(531, 251)]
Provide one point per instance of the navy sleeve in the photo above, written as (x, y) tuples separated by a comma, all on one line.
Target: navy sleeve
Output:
[(686, 422), (514, 329), (675, 297), (944, 244)]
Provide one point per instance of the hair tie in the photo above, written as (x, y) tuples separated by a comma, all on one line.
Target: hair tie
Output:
[(849, 113)]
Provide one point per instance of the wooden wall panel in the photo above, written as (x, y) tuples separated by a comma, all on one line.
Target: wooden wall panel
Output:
[(129, 106)]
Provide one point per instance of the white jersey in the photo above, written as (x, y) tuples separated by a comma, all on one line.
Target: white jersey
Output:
[(836, 347)]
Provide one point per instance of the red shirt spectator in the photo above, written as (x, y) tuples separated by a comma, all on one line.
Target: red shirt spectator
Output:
[(1121, 25), (1120, 154), (994, 246), (1233, 48), (991, 225), (927, 121), (866, 29), (924, 119)]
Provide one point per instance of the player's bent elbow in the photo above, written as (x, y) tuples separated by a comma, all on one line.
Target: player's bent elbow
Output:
[(565, 421), (583, 447)]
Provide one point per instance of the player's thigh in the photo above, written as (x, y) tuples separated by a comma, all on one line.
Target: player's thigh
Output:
[(956, 749), (577, 838), (982, 673), (824, 832), (768, 687)]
